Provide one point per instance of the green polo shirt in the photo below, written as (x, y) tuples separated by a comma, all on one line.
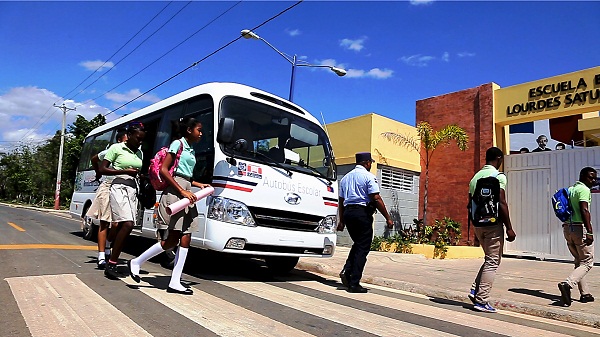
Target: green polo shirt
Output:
[(187, 160), (486, 171), (121, 157), (579, 192)]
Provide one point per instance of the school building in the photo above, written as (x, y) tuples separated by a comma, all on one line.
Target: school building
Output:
[(570, 101)]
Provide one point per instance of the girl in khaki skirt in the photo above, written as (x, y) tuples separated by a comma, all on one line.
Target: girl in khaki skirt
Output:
[(180, 225), (123, 161)]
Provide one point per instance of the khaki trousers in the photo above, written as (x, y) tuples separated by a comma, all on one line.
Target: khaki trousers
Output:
[(583, 257), (491, 239)]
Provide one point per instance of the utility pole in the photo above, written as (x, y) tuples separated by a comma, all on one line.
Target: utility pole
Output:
[(60, 154)]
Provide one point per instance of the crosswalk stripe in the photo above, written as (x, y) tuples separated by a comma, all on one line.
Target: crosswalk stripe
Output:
[(215, 314), (465, 319), (542, 320), (358, 319), (55, 305)]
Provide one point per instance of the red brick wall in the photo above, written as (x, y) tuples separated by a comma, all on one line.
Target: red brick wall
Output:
[(450, 169)]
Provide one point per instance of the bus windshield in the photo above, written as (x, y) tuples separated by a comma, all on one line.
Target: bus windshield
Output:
[(276, 136)]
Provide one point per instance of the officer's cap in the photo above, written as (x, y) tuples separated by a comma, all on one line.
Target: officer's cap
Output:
[(364, 156)]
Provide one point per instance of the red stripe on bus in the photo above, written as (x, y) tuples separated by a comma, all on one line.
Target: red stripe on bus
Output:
[(330, 204), (233, 187)]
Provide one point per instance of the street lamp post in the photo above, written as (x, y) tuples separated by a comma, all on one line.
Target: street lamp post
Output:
[(248, 34)]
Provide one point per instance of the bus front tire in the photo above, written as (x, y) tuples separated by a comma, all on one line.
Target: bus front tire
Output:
[(90, 231), (281, 265)]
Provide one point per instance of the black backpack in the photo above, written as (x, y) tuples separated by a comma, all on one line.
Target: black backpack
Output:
[(485, 201)]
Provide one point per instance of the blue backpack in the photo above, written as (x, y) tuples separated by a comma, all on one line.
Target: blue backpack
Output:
[(561, 205)]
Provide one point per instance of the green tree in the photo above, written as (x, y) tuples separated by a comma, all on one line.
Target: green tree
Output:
[(428, 140), (31, 171)]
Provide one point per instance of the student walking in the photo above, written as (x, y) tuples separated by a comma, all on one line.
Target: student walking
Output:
[(100, 208), (180, 225), (123, 161), (489, 213), (359, 196), (579, 235)]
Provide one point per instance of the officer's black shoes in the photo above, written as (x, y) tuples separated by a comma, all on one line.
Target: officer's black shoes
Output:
[(344, 278), (565, 293), (586, 298), (357, 289)]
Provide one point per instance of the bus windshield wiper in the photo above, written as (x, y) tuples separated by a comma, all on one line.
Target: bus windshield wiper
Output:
[(272, 161), (303, 164)]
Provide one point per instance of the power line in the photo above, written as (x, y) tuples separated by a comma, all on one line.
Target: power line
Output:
[(131, 52), (39, 122), (118, 50), (163, 55), (204, 58)]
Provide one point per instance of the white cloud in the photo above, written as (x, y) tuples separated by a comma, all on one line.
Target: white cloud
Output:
[(421, 2), (131, 94), (27, 114), (465, 54), (446, 57), (375, 73), (293, 32), (417, 60), (93, 65), (356, 45)]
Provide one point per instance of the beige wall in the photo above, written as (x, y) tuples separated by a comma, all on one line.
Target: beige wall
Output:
[(363, 134)]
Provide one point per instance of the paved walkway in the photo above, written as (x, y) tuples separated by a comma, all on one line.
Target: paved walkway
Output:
[(522, 285)]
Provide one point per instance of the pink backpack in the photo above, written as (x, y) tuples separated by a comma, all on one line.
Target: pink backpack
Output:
[(156, 163)]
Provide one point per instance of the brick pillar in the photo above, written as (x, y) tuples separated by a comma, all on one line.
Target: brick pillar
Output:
[(450, 169)]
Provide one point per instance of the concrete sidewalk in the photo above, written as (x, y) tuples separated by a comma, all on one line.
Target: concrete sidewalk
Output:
[(521, 285)]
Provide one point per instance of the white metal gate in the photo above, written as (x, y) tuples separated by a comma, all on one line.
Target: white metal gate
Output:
[(532, 179)]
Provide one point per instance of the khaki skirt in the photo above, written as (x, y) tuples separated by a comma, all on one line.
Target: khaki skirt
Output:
[(100, 208), (185, 220), (123, 199)]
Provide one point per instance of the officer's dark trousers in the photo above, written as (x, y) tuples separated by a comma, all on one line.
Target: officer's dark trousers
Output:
[(359, 222)]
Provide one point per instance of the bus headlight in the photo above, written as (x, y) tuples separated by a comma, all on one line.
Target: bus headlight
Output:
[(231, 211), (327, 225)]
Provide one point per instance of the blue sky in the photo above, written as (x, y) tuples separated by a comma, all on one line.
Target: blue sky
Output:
[(395, 52)]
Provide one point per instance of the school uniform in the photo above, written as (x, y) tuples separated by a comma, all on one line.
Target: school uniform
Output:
[(123, 189), (185, 220)]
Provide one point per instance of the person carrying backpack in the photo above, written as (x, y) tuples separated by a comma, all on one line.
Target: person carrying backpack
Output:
[(489, 214), (579, 235), (180, 225)]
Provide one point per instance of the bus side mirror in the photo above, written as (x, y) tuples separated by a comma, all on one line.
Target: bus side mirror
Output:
[(225, 133)]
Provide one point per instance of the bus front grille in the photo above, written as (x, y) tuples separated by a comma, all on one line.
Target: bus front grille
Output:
[(271, 218)]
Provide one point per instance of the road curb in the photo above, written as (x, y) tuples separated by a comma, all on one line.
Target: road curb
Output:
[(519, 307), (62, 213)]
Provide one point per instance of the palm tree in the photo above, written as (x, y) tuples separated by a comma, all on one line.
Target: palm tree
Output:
[(430, 141)]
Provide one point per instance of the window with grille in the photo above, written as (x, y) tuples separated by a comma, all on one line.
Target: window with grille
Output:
[(399, 179)]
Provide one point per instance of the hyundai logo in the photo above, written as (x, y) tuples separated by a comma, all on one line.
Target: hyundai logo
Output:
[(292, 198)]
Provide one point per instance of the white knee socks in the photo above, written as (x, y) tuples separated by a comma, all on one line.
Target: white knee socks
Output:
[(180, 257), (151, 252)]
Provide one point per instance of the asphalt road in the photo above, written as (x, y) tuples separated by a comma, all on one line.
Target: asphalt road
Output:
[(50, 287)]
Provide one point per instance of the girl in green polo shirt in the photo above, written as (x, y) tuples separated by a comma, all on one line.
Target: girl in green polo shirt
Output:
[(123, 161), (180, 225)]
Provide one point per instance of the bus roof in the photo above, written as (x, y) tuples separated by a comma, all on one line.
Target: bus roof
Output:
[(218, 89)]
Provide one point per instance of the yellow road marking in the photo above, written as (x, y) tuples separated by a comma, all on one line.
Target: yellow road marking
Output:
[(16, 227), (47, 246)]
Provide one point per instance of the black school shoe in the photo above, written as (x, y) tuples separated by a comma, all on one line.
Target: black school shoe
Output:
[(586, 298), (111, 272), (187, 291), (565, 293)]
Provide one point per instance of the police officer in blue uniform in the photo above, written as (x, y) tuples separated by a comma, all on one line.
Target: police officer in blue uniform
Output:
[(358, 199)]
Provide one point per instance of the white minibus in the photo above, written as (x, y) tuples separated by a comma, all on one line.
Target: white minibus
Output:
[(270, 161)]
